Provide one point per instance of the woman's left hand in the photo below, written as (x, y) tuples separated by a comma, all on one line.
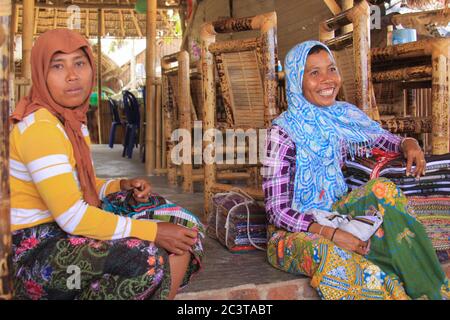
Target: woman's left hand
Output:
[(414, 155), (141, 188)]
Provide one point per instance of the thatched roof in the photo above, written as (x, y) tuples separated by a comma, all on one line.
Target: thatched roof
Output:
[(109, 67), (120, 17), (426, 4)]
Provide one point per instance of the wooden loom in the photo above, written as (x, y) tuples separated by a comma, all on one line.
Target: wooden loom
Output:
[(247, 73)]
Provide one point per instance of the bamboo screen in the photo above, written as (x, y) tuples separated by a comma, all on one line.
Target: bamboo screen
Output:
[(243, 77)]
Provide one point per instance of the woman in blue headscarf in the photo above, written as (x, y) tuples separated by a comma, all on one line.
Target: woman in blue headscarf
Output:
[(305, 149)]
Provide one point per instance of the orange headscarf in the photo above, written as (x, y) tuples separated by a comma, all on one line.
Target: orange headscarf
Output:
[(49, 43)]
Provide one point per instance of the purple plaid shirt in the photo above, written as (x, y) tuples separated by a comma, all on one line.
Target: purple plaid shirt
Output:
[(278, 186)]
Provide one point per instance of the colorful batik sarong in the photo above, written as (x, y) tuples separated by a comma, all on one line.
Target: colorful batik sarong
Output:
[(401, 263), (48, 263)]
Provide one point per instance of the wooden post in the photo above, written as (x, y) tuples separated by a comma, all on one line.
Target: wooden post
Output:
[(268, 27), (440, 59), (99, 73), (360, 17), (6, 287), (184, 105), (209, 107), (27, 37), (163, 129), (150, 65), (168, 128), (158, 127)]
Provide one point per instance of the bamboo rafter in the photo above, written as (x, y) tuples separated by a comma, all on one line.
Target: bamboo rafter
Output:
[(120, 20)]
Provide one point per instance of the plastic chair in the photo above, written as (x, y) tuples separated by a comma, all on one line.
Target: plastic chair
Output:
[(113, 108), (131, 107)]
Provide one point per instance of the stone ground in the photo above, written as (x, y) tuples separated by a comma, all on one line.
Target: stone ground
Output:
[(224, 275)]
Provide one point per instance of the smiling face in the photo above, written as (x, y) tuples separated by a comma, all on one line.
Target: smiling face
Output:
[(321, 80), (69, 78)]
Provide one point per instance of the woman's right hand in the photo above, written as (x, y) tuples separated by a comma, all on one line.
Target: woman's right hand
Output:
[(348, 241), (174, 238)]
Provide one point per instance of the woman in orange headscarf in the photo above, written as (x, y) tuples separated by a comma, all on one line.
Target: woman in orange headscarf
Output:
[(75, 236)]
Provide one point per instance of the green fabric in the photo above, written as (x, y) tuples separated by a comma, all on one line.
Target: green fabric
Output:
[(401, 246)]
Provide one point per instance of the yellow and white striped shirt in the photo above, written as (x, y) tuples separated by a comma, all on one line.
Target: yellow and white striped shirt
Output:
[(45, 187)]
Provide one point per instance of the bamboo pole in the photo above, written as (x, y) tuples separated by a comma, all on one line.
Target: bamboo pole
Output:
[(346, 5), (27, 37), (16, 18), (12, 31), (333, 6), (158, 127), (168, 127), (164, 145), (404, 74), (87, 23), (36, 19), (99, 73), (184, 106), (268, 28), (208, 36), (440, 59), (6, 286), (360, 17), (150, 143)]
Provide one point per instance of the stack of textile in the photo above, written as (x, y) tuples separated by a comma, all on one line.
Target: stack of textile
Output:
[(434, 213), (429, 196), (238, 222)]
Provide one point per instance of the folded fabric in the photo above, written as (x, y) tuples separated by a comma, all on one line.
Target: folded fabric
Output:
[(362, 227)]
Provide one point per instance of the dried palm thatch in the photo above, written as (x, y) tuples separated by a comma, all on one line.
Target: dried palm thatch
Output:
[(119, 17), (109, 67), (427, 4)]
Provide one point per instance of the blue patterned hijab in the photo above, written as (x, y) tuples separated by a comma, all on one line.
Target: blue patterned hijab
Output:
[(319, 134)]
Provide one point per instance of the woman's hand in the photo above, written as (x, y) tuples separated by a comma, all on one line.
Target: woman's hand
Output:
[(141, 188), (413, 154), (348, 241), (174, 238)]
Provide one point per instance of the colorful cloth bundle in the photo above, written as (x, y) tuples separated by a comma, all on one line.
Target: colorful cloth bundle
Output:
[(156, 208), (436, 181), (434, 213), (429, 196), (238, 222)]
